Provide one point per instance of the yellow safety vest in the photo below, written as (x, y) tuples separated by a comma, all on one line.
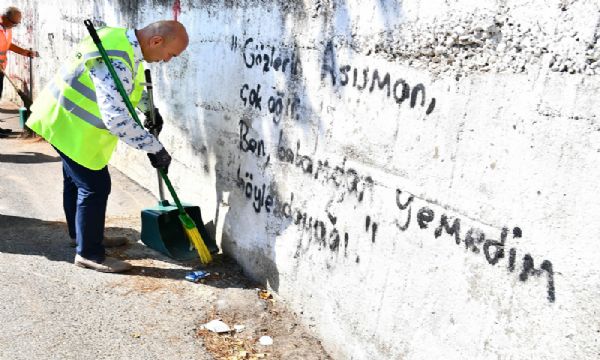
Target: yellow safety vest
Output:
[(66, 113)]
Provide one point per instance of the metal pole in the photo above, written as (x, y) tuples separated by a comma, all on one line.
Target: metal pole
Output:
[(31, 75)]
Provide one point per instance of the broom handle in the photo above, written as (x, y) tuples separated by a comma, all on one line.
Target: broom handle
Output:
[(31, 75), (88, 24), (149, 87), (9, 80), (26, 99)]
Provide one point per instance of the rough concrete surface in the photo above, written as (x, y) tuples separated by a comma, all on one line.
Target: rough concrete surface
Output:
[(50, 309)]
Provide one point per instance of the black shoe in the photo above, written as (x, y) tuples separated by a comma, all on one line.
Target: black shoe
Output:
[(5, 131), (2, 136)]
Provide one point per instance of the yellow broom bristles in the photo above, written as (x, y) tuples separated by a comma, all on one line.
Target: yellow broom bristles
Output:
[(198, 243)]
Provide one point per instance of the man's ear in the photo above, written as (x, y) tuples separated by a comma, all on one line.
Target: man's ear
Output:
[(156, 40)]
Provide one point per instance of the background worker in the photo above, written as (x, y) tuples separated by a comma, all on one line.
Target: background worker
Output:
[(83, 116), (10, 18)]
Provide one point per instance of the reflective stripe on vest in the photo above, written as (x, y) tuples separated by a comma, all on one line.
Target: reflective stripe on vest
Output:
[(72, 79), (111, 53), (66, 113), (73, 108)]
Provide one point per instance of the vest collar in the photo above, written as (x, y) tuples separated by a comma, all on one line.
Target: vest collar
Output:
[(137, 50)]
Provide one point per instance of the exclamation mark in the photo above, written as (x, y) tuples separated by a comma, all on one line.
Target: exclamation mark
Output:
[(373, 228), (234, 41)]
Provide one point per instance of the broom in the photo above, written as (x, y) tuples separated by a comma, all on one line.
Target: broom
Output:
[(189, 226), (26, 99)]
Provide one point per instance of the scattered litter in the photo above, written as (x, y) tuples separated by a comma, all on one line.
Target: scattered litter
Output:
[(264, 294), (136, 335), (217, 326), (196, 276), (232, 346), (265, 340), (239, 328)]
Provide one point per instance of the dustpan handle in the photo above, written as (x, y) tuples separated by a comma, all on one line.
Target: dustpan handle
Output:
[(149, 87), (90, 27)]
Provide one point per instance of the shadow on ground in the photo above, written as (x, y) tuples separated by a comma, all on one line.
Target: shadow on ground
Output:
[(29, 236), (224, 272), (28, 157), (35, 237)]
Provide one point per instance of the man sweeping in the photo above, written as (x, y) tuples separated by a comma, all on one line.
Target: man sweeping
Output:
[(83, 116)]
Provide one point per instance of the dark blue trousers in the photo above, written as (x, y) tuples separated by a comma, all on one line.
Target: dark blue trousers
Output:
[(85, 196), (1, 83)]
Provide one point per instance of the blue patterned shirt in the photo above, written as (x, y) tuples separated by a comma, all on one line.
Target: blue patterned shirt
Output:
[(112, 107)]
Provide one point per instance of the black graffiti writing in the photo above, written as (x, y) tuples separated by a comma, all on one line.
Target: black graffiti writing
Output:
[(326, 235), (372, 226), (547, 266), (451, 230), (362, 79), (234, 42), (280, 105), (404, 206), (529, 270), (424, 217), (251, 97), (285, 154), (323, 232), (256, 55), (254, 192), (474, 240), (341, 177), (512, 254), (275, 106), (250, 144), (494, 250)]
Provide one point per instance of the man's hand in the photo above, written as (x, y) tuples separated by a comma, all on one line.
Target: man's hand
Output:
[(160, 160), (31, 53), (155, 126)]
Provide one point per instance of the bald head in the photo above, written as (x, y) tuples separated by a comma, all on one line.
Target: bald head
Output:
[(162, 40)]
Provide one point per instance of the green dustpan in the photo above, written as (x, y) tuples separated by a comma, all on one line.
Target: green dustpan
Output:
[(163, 232), (161, 227)]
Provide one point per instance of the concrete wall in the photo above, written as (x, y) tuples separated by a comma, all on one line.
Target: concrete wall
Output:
[(418, 179)]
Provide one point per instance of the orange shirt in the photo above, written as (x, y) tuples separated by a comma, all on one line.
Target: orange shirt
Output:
[(5, 41)]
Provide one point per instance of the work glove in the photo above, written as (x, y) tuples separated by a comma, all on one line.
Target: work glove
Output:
[(161, 160), (31, 53), (155, 126)]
